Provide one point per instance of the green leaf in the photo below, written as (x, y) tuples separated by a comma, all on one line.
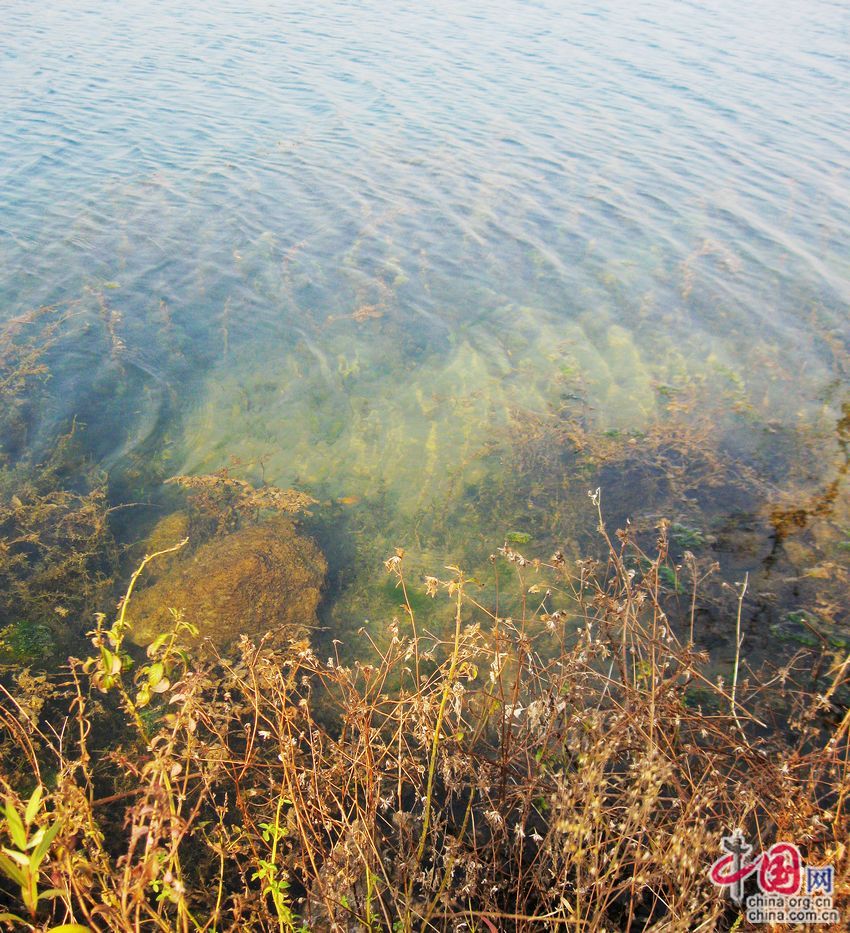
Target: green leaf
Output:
[(155, 673), (191, 628), (14, 918), (33, 805), (16, 827), (20, 857), (70, 928), (50, 893), (44, 845), (157, 643), (11, 870), (143, 696)]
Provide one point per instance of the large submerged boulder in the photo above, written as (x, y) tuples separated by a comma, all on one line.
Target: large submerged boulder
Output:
[(263, 578)]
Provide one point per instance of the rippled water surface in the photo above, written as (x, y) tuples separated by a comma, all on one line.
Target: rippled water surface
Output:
[(356, 242)]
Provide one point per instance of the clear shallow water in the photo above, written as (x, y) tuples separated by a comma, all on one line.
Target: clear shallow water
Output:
[(358, 242)]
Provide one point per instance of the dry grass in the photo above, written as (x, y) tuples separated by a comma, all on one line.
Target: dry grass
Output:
[(569, 765)]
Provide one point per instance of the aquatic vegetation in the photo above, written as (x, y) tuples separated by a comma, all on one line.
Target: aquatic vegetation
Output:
[(357, 413), (23, 344), (729, 263), (503, 420), (226, 501), (56, 549), (54, 556), (687, 538), (681, 463), (573, 765), (25, 642)]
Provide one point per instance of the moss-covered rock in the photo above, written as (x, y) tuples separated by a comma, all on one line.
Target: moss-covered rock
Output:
[(264, 578), (167, 532)]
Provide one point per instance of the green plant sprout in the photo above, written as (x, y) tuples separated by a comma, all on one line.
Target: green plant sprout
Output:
[(268, 873), (21, 862)]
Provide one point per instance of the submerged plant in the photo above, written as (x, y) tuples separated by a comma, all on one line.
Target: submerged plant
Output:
[(224, 501), (56, 549)]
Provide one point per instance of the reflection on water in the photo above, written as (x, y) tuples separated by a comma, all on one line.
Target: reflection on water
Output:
[(362, 247)]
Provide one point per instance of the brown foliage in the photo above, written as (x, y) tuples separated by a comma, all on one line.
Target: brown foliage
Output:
[(572, 764)]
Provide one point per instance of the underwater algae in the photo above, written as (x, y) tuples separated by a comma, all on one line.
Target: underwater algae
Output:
[(448, 453), (357, 413), (57, 549)]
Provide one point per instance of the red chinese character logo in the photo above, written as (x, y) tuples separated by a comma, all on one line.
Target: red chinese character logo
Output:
[(731, 870), (724, 872), (780, 869)]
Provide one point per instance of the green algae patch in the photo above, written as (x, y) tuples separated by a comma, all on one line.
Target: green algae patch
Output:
[(24, 642), (264, 578)]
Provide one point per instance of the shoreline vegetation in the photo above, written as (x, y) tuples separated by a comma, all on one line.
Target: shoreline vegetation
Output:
[(510, 775), (533, 744)]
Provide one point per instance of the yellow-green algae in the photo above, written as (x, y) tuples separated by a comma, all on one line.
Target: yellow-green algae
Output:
[(346, 417)]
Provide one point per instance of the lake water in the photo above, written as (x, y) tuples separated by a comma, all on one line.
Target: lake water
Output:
[(361, 247)]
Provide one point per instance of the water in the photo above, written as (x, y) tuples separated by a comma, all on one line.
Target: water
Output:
[(356, 246)]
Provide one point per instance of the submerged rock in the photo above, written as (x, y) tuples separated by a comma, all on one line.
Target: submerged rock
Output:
[(265, 578), (167, 532)]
